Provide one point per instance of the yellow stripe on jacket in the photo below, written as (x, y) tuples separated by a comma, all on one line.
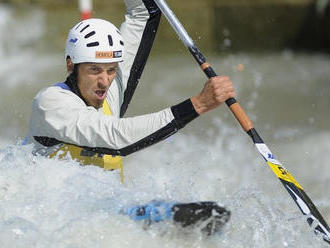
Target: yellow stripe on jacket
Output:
[(108, 162)]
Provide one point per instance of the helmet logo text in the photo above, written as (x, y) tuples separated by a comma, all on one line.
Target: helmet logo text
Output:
[(117, 54), (108, 54), (104, 55)]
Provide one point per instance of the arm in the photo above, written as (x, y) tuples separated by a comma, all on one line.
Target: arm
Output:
[(60, 116), (139, 31)]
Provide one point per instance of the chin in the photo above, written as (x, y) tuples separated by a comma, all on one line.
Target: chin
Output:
[(98, 105)]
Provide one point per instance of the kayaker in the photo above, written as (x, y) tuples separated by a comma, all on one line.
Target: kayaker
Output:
[(84, 115)]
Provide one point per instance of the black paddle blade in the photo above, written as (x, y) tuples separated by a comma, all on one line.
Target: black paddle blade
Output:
[(209, 216)]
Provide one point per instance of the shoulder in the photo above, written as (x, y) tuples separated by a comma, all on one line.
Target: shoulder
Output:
[(57, 96)]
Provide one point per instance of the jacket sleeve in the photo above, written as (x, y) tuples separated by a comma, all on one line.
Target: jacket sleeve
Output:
[(138, 31), (60, 116)]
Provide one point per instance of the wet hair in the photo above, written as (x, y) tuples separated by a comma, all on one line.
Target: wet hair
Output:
[(72, 82)]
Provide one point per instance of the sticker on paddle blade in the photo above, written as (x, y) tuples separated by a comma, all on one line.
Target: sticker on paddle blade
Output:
[(267, 154), (283, 174), (276, 165)]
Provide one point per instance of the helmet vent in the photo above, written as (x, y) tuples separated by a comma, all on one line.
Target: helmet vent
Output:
[(78, 25), (84, 28), (110, 40), (121, 42), (92, 44), (89, 34)]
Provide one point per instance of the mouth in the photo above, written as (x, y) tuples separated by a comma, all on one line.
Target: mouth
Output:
[(101, 94)]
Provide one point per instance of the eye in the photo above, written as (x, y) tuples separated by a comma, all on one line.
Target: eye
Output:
[(112, 70), (94, 69)]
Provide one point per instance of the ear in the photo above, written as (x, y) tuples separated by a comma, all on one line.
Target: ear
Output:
[(69, 65)]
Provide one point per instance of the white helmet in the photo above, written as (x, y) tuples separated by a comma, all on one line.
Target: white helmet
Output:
[(94, 40)]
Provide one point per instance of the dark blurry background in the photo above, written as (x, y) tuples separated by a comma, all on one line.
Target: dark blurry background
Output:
[(216, 25)]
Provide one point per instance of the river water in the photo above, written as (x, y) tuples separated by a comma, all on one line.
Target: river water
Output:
[(49, 203)]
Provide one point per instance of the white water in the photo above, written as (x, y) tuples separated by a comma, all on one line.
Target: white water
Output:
[(49, 203)]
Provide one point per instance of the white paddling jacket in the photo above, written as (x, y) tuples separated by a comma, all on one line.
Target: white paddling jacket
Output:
[(60, 117)]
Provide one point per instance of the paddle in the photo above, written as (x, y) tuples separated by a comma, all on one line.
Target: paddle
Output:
[(304, 203), (209, 217)]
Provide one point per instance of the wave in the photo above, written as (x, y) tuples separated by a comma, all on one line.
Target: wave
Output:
[(47, 202)]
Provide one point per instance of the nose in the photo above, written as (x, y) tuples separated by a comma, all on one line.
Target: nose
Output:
[(103, 80)]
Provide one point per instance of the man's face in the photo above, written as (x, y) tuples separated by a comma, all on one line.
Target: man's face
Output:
[(94, 80)]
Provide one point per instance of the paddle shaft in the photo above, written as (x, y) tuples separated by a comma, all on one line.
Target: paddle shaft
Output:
[(233, 105), (304, 203)]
